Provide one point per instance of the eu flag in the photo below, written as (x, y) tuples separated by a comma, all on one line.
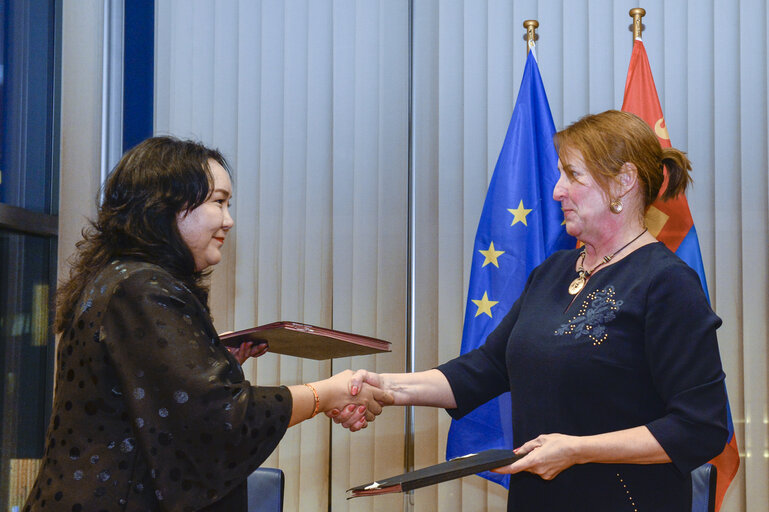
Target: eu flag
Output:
[(520, 226)]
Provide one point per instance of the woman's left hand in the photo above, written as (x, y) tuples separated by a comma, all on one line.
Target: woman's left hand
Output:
[(546, 455), (248, 349)]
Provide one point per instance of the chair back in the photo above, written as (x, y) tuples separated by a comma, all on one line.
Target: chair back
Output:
[(265, 490), (704, 488)]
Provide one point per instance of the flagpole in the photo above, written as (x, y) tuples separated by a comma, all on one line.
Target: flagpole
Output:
[(410, 362), (531, 33), (637, 13)]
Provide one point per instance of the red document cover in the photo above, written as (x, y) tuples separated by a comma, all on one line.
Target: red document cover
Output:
[(308, 341)]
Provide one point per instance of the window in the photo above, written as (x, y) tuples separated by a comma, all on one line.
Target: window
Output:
[(29, 157)]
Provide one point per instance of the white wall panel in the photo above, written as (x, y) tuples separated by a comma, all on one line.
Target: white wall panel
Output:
[(428, 17), (81, 123), (723, 143), (447, 289), (754, 212)]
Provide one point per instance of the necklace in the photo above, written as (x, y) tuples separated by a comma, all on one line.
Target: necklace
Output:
[(576, 286)]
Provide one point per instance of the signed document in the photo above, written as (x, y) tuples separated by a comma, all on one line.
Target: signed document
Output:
[(455, 468), (307, 341)]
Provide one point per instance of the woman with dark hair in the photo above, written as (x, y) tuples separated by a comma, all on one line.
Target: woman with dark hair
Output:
[(151, 411), (610, 353)]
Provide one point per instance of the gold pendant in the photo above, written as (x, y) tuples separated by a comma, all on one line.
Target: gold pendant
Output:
[(576, 286)]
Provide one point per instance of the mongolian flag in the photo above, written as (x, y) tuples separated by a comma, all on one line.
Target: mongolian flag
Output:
[(520, 226), (671, 222)]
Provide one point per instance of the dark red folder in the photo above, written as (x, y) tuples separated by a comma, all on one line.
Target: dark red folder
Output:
[(308, 341)]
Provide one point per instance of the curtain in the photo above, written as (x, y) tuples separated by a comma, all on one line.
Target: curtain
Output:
[(309, 101)]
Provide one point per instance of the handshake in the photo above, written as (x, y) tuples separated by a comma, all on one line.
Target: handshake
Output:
[(352, 399)]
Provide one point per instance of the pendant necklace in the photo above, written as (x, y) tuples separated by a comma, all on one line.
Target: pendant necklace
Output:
[(576, 286)]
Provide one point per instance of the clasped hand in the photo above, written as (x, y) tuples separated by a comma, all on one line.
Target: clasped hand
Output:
[(359, 383), (352, 406)]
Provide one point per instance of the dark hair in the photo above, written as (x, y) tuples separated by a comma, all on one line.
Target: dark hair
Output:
[(608, 140), (153, 182)]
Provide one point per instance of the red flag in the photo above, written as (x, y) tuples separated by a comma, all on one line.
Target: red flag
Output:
[(671, 222), (642, 100)]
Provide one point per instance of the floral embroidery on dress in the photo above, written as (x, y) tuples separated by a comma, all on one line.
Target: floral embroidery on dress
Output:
[(598, 309)]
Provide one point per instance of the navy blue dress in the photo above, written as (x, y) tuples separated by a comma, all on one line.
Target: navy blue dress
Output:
[(151, 412), (636, 347)]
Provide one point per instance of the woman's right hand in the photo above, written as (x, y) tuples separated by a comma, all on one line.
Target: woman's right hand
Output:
[(352, 406), (429, 388), (361, 377), (361, 380)]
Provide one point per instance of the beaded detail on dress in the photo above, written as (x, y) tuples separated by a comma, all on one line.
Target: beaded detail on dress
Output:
[(597, 309)]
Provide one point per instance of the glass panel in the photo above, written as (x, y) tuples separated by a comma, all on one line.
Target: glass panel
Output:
[(3, 120), (26, 103), (28, 172), (26, 345)]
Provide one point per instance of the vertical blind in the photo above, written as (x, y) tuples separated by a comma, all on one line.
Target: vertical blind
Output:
[(309, 99)]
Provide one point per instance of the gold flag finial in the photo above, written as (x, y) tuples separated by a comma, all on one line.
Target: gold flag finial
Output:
[(531, 35), (637, 13)]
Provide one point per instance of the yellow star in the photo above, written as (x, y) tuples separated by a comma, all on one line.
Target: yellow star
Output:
[(519, 213), (484, 305), (491, 256)]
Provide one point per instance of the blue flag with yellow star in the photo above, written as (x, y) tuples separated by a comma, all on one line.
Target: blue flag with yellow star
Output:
[(520, 226)]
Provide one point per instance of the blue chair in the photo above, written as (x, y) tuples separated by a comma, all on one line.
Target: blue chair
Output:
[(265, 490), (704, 488)]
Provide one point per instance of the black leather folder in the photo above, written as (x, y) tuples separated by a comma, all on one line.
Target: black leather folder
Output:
[(431, 475)]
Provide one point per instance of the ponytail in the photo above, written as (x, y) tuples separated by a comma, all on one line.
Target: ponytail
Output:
[(679, 172)]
